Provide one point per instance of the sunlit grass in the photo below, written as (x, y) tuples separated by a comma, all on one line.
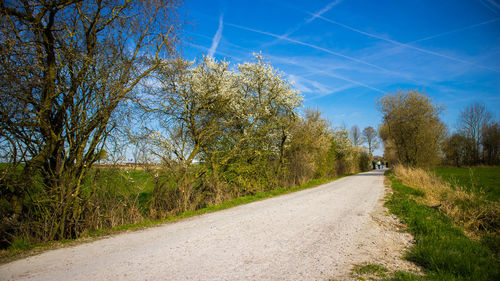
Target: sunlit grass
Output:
[(471, 210), (369, 271)]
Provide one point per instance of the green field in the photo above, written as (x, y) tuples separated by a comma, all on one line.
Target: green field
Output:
[(132, 183), (484, 180)]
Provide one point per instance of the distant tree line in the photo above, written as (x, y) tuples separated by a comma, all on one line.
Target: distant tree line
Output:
[(414, 135), (477, 140)]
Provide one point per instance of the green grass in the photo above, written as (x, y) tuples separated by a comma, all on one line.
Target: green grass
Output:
[(20, 244), (123, 181), (484, 180), (369, 271), (405, 276), (441, 248), (130, 183)]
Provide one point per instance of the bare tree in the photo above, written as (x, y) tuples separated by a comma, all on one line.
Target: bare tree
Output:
[(357, 138), (370, 137), (472, 121), (141, 153), (65, 67)]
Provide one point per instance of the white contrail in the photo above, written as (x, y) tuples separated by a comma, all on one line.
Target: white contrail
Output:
[(329, 73), (309, 20), (454, 31), (490, 5), (217, 37), (352, 81), (324, 10), (405, 45), (315, 47)]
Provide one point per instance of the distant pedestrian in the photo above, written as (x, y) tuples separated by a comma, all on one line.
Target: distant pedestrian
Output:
[(378, 164), (373, 164)]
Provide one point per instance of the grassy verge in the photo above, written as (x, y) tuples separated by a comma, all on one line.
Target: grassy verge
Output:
[(20, 248), (441, 249), (469, 208)]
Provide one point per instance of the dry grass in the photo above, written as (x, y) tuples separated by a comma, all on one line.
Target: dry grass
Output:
[(471, 210)]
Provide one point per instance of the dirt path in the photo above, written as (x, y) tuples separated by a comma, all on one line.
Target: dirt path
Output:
[(307, 235)]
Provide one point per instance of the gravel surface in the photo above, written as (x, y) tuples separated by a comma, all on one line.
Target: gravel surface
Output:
[(306, 235), (384, 242)]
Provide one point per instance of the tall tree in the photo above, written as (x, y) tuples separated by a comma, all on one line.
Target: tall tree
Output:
[(370, 137), (471, 123), (357, 138), (411, 127), (65, 67), (267, 107)]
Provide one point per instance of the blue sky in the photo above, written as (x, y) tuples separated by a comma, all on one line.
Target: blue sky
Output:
[(344, 55)]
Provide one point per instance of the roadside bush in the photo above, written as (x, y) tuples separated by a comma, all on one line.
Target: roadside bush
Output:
[(176, 190), (109, 198), (307, 150)]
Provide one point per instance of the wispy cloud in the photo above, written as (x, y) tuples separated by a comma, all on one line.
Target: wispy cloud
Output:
[(205, 49), (217, 37), (307, 21), (421, 67), (454, 31), (490, 5), (406, 45), (317, 71), (351, 81), (332, 92), (314, 87), (298, 84), (322, 11), (319, 49), (324, 89)]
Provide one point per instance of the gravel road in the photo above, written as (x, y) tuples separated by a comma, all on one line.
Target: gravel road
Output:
[(306, 235)]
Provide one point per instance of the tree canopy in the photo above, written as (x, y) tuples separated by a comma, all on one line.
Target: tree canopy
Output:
[(411, 128)]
